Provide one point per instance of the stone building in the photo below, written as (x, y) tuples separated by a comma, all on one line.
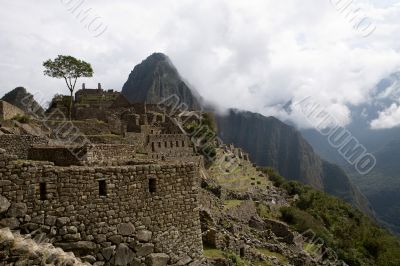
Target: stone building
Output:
[(116, 214)]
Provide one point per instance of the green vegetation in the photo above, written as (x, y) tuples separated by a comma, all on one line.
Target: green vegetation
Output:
[(282, 259), (232, 203), (70, 69), (24, 119), (213, 253), (354, 237)]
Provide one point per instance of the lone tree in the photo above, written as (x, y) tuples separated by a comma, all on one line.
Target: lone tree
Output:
[(70, 69)]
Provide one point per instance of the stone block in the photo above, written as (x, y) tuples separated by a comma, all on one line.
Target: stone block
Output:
[(62, 221), (144, 236), (12, 223), (126, 229), (108, 252), (144, 249), (123, 255), (157, 259), (17, 210), (4, 204)]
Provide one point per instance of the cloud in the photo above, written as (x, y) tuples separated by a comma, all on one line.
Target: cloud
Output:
[(254, 55), (388, 118)]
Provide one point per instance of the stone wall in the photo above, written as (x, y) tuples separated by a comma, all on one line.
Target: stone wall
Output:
[(9, 111), (146, 213), (93, 154), (109, 154), (19, 144), (169, 144)]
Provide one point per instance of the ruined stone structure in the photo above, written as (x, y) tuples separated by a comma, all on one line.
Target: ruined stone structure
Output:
[(129, 198), (93, 154), (9, 111), (19, 145), (120, 214)]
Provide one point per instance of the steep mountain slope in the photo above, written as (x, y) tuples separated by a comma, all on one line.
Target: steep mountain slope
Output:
[(21, 98), (156, 78), (273, 143)]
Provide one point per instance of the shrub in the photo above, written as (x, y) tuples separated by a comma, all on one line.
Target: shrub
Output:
[(24, 119)]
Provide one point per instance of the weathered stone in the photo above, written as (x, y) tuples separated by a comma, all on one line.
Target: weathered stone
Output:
[(126, 229), (123, 255), (39, 219), (145, 250), (72, 237), (89, 259), (6, 238), (184, 260), (135, 262), (4, 204), (12, 223), (116, 239), (50, 220), (62, 221), (144, 236), (100, 238), (17, 210), (157, 259), (84, 246), (108, 252)]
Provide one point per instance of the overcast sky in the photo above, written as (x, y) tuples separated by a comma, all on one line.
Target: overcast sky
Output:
[(248, 54)]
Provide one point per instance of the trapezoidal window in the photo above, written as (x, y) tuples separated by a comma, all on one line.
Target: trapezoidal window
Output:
[(43, 190), (152, 185), (102, 188)]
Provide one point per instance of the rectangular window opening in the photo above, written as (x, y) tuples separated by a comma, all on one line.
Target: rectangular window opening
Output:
[(102, 188), (43, 191), (152, 185)]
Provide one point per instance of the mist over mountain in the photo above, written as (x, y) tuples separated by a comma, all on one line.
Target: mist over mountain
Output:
[(375, 126)]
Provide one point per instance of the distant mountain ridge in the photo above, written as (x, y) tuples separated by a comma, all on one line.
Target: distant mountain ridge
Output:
[(269, 141), (382, 184)]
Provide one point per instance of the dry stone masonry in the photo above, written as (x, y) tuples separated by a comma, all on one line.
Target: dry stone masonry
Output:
[(116, 215)]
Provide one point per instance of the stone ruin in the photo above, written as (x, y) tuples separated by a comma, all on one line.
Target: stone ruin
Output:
[(113, 214), (121, 203)]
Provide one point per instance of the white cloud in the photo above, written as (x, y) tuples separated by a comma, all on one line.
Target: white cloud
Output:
[(388, 118), (253, 55)]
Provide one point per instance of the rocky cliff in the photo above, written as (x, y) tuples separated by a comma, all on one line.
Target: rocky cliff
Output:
[(156, 78)]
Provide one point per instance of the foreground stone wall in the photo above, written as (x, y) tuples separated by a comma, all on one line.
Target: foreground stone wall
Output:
[(19, 144), (140, 211)]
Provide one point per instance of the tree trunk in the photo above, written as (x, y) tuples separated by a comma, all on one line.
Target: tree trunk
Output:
[(70, 107)]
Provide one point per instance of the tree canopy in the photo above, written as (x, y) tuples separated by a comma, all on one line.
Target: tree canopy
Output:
[(69, 68)]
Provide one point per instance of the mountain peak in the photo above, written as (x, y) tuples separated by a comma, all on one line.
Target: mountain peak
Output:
[(21, 98), (156, 78)]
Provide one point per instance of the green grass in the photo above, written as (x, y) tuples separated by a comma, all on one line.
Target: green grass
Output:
[(213, 253), (232, 203), (282, 259)]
